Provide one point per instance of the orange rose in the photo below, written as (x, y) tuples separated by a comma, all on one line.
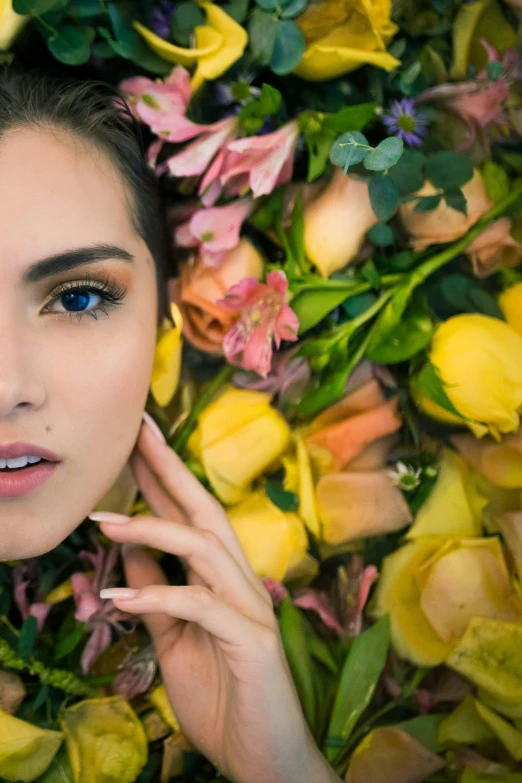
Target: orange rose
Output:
[(198, 288)]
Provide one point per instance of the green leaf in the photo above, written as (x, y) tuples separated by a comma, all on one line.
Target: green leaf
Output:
[(370, 273), (69, 45), (381, 235), (427, 203), (286, 501), (384, 196), (262, 30), (289, 48), (392, 313), (131, 46), (319, 145), (409, 337), (267, 5), (33, 7), (294, 642), (447, 170), (424, 729), (385, 155), (269, 100), (83, 9), (313, 305), (320, 650), (359, 677), (66, 645), (456, 199), (408, 172), (494, 70), (60, 770), (27, 638), (293, 8), (455, 293), (349, 149), (427, 383), (496, 181), (237, 9), (296, 237), (350, 118), (186, 17)]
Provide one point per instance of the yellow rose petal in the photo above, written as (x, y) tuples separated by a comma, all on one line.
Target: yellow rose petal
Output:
[(507, 734), (26, 751), (464, 726)]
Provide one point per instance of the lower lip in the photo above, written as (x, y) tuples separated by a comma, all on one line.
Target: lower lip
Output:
[(20, 482)]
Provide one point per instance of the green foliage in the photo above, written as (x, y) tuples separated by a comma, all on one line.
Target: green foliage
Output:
[(280, 497), (427, 383), (349, 149), (276, 40), (27, 638), (381, 235), (385, 155), (69, 45), (293, 635), (186, 17), (407, 338), (320, 131), (254, 112), (449, 170), (262, 29), (496, 180), (33, 7), (384, 195)]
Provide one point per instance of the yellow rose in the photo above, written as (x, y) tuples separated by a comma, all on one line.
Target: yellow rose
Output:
[(275, 541), (455, 505), (510, 302), (336, 223), (479, 361), (10, 24), (167, 359), (218, 44), (390, 755), (237, 438), (342, 35), (26, 751), (432, 588)]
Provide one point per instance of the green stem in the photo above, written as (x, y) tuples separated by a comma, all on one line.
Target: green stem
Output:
[(352, 288), (10, 625), (290, 258), (183, 434)]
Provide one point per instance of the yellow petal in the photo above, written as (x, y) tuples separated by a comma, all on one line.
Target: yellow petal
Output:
[(321, 62), (274, 541), (390, 755), (512, 711), (454, 506), (10, 24), (105, 740), (26, 751), (234, 40), (167, 361), (464, 726), (172, 53), (507, 734), (158, 697), (489, 655), (60, 593), (463, 29), (306, 491), (398, 593)]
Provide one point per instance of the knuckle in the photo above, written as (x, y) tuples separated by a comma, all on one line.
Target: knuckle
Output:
[(209, 540), (202, 596), (268, 641)]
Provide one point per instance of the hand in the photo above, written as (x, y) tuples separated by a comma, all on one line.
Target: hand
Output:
[(217, 639)]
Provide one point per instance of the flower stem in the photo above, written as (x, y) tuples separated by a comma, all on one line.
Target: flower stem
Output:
[(182, 436)]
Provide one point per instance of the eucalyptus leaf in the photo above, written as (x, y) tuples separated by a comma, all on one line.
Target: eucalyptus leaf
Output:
[(33, 7), (262, 28), (350, 118), (293, 8), (267, 5), (384, 196), (237, 9), (186, 17), (456, 199), (427, 203), (82, 9), (349, 149), (294, 642), (69, 45), (289, 48), (408, 172), (385, 155), (447, 170), (381, 235), (359, 677)]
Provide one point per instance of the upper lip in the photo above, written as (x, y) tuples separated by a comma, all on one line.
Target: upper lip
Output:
[(20, 449)]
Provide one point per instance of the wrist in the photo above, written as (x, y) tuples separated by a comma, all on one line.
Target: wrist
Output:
[(318, 769)]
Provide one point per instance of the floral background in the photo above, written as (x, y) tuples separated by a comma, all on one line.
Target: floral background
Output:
[(343, 181)]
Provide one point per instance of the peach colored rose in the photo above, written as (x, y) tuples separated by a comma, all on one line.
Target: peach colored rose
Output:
[(198, 288), (494, 249)]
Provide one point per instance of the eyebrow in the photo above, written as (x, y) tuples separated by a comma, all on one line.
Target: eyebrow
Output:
[(69, 259)]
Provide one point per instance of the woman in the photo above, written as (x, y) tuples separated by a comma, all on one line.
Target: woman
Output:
[(83, 291)]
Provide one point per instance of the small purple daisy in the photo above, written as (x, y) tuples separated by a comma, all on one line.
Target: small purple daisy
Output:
[(161, 17), (405, 123)]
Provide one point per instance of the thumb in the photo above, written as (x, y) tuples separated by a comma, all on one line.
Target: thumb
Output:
[(142, 570)]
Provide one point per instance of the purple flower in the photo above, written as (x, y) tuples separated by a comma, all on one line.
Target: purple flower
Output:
[(161, 18), (405, 123)]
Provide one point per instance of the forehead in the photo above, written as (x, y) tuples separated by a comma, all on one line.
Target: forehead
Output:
[(57, 191)]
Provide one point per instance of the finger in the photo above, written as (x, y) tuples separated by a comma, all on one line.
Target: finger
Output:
[(141, 570), (158, 499), (204, 511), (200, 605), (204, 553)]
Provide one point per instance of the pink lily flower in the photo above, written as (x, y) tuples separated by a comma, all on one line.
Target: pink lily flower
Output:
[(286, 381), (214, 230), (98, 615), (262, 162), (23, 575), (480, 102), (264, 316)]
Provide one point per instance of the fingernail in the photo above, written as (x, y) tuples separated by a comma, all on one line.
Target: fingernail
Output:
[(109, 516), (118, 592), (129, 547), (154, 427)]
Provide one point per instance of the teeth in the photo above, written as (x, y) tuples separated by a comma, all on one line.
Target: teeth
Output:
[(19, 462)]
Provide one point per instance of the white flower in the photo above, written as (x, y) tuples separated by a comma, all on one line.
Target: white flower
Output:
[(405, 477)]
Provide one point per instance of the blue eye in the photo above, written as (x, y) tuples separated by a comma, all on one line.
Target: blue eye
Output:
[(76, 297)]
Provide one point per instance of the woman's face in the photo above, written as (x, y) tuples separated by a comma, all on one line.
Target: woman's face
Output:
[(74, 378)]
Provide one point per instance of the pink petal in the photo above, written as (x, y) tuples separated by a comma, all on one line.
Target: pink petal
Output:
[(98, 641), (278, 282), (196, 157), (234, 342), (218, 227), (257, 354), (184, 236), (40, 611), (239, 295), (287, 324), (316, 602), (179, 78)]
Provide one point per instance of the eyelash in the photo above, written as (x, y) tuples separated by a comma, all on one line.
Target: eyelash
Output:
[(112, 291)]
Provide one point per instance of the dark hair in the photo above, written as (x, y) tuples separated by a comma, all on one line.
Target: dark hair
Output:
[(98, 113)]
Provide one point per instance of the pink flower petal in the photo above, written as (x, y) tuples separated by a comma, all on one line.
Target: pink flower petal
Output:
[(196, 157), (98, 641)]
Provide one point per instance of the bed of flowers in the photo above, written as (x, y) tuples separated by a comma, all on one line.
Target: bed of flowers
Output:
[(343, 370)]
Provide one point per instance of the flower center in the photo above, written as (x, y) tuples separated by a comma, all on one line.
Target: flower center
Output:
[(406, 123)]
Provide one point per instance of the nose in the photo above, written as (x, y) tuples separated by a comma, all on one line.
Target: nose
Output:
[(20, 386)]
